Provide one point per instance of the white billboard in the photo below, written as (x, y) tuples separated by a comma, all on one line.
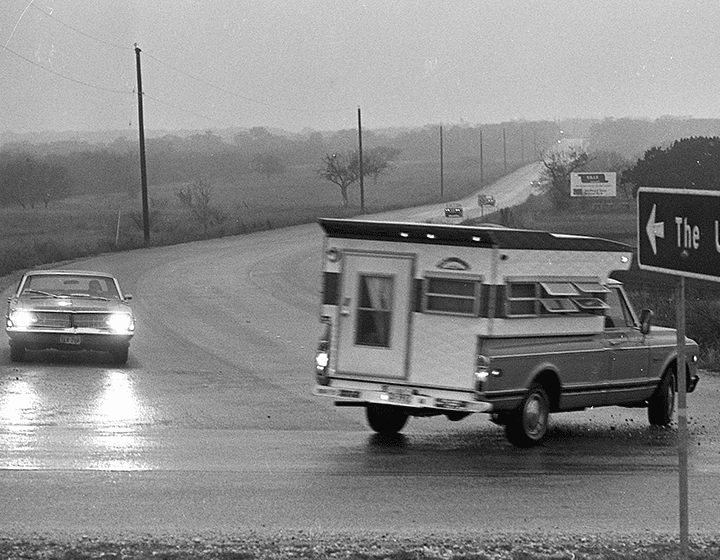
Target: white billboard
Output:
[(593, 184)]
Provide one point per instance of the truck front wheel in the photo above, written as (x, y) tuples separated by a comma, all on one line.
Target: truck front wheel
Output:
[(386, 419), (662, 404), (528, 424)]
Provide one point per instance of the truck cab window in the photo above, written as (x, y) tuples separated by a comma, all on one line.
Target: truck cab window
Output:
[(618, 316)]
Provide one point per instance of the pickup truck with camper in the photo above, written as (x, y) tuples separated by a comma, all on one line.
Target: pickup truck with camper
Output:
[(427, 319)]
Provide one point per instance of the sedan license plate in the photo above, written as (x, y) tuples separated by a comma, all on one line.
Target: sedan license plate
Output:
[(70, 339)]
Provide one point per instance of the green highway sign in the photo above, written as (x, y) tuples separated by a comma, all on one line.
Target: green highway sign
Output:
[(678, 232)]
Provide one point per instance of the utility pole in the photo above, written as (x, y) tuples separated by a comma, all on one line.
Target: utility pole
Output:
[(442, 178), (504, 150), (482, 178), (143, 168), (360, 155)]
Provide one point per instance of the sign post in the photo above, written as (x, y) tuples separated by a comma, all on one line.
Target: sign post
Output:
[(679, 233)]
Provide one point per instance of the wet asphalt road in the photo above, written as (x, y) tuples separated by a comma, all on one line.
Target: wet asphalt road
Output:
[(211, 427)]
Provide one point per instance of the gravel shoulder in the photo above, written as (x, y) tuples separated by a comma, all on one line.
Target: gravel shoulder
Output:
[(306, 545)]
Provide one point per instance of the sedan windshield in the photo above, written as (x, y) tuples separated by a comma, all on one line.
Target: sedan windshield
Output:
[(46, 285)]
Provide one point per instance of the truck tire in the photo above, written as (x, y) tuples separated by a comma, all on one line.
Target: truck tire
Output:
[(386, 419), (661, 405), (528, 424)]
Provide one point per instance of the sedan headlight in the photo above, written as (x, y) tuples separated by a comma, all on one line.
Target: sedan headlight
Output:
[(120, 322), (22, 319)]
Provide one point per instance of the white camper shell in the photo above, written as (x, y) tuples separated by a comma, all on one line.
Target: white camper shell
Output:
[(429, 319)]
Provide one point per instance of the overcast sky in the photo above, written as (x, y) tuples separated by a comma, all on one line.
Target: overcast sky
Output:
[(309, 64)]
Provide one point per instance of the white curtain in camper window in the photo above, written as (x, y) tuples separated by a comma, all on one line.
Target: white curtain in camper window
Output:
[(379, 293)]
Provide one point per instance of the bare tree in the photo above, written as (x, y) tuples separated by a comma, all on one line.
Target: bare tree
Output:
[(196, 198), (343, 169), (555, 178), (379, 160)]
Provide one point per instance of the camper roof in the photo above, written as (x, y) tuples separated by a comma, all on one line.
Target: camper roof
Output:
[(470, 236)]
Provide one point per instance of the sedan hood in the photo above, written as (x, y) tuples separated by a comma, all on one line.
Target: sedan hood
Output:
[(72, 304)]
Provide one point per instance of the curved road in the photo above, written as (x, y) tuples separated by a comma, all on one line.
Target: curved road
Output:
[(211, 426)]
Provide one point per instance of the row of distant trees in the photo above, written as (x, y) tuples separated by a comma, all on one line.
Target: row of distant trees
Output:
[(32, 174), (174, 159), (28, 182)]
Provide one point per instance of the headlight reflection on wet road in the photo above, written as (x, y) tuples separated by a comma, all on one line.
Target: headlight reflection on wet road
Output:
[(73, 419), (116, 443), (19, 406)]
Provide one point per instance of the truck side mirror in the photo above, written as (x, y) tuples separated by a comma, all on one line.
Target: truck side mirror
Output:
[(646, 317)]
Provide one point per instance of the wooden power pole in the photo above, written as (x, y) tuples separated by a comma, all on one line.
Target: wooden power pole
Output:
[(143, 168)]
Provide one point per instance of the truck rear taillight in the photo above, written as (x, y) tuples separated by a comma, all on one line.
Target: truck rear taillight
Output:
[(483, 370), (322, 358)]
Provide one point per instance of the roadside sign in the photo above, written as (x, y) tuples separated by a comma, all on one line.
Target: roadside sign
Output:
[(486, 199), (593, 184), (678, 232)]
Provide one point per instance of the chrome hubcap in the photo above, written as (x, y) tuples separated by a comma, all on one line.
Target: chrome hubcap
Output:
[(535, 416)]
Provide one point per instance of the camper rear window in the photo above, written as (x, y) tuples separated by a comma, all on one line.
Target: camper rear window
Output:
[(450, 295)]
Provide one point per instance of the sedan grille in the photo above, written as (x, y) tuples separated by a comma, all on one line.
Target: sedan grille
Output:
[(67, 320), (90, 320), (53, 320)]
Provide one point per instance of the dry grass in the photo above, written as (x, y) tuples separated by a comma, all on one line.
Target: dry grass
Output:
[(87, 225)]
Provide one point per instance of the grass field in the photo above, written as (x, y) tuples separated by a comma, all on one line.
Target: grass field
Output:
[(81, 226)]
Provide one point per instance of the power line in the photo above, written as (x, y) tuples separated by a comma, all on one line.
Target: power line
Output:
[(17, 23), (232, 93), (76, 30), (63, 76), (174, 68), (180, 71), (183, 110)]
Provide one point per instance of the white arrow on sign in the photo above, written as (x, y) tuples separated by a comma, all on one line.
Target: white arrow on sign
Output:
[(654, 229)]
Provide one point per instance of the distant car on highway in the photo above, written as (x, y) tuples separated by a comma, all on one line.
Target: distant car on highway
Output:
[(69, 310), (453, 209), (486, 200)]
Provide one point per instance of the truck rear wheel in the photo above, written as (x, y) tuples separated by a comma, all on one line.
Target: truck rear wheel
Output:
[(661, 405), (386, 419), (528, 424)]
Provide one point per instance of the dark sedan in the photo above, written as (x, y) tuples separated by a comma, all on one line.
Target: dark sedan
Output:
[(69, 310)]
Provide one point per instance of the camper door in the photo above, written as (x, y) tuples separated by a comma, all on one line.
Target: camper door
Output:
[(374, 314)]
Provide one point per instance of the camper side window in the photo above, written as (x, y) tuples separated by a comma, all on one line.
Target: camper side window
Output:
[(522, 299), (557, 297), (451, 295)]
